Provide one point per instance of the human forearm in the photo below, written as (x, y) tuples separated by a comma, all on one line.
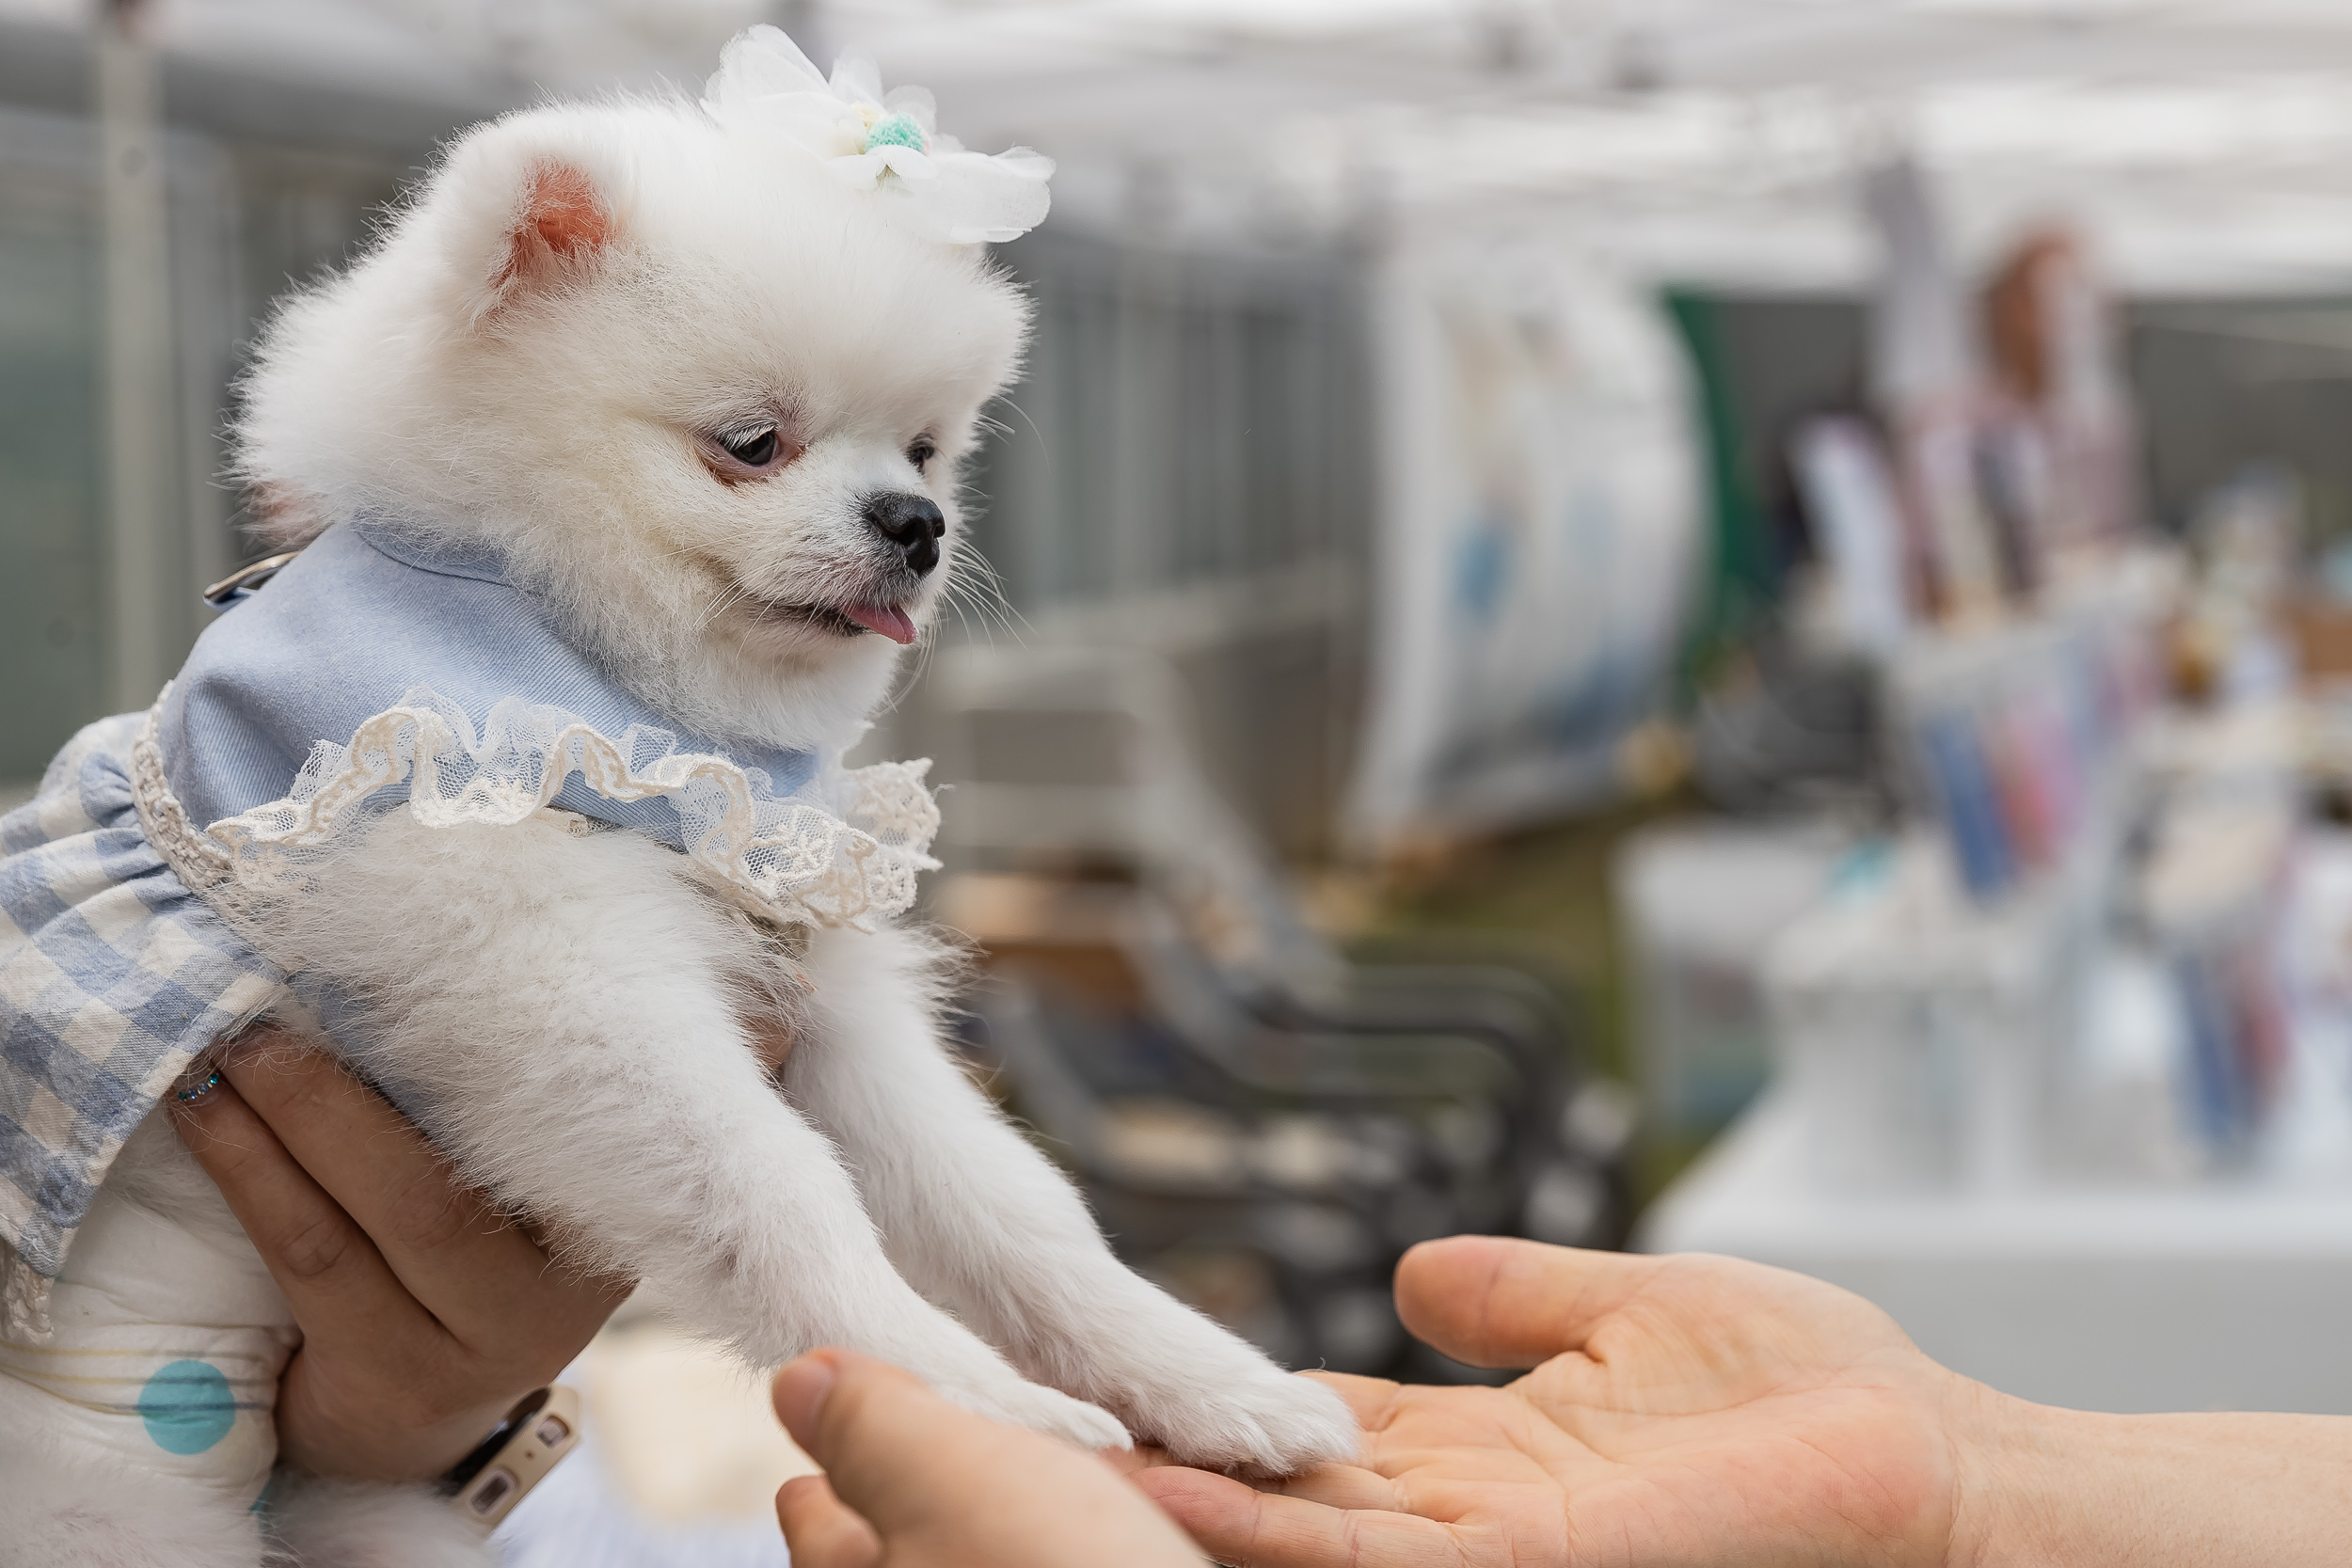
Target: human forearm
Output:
[(2046, 1487)]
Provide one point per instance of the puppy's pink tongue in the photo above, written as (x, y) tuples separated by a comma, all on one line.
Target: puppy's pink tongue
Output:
[(889, 620)]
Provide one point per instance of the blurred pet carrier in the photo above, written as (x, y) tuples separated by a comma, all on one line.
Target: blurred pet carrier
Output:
[(1262, 1124)]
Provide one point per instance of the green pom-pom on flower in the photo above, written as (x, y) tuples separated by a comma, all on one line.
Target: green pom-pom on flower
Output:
[(895, 131)]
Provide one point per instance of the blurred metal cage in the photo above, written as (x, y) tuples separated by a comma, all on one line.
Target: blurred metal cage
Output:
[(1262, 1123)]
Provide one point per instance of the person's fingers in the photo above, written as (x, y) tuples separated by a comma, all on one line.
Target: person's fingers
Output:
[(798, 1394), (324, 1263), (938, 1483), (820, 1531), (1490, 1301), (476, 1271), (1370, 1398), (1350, 1486), (1140, 1456), (1248, 1529), (891, 1448), (370, 1385)]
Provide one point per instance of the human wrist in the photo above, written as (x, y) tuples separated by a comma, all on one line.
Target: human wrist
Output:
[(1997, 1443), (374, 1434), (382, 1452), (2041, 1485), (2091, 1490)]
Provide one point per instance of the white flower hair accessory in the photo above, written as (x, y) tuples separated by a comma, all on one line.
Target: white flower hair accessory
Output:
[(890, 145)]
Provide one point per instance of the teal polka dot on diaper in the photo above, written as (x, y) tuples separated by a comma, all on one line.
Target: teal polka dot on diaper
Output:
[(187, 1407)]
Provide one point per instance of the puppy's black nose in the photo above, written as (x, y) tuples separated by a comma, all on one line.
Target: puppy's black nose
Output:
[(912, 522)]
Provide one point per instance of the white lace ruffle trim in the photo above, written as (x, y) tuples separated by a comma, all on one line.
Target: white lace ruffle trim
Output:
[(842, 861), (24, 1300)]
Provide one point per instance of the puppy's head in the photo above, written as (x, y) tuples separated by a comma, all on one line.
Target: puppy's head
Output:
[(708, 400)]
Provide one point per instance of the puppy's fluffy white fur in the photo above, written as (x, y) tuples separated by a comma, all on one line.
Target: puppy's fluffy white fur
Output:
[(543, 351)]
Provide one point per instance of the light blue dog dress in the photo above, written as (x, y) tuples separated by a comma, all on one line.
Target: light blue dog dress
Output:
[(377, 672)]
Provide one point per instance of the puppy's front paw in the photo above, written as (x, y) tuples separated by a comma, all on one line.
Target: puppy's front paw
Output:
[(1046, 1410), (1264, 1419)]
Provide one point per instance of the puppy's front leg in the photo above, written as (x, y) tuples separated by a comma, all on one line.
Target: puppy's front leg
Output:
[(550, 1008), (979, 1221)]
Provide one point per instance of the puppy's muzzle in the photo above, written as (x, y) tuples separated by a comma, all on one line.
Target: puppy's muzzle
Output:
[(911, 524)]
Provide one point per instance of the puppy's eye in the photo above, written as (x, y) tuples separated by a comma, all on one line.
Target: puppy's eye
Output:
[(753, 449), (921, 453)]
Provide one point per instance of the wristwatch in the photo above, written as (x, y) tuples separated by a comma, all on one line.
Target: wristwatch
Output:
[(485, 1486)]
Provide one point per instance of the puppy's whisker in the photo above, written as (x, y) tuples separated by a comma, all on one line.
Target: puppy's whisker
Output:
[(1007, 401), (984, 588), (718, 602), (726, 602)]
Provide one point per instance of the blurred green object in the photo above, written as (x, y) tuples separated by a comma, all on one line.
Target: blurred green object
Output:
[(1741, 583)]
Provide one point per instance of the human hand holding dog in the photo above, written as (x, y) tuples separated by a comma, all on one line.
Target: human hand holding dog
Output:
[(913, 1481), (424, 1312)]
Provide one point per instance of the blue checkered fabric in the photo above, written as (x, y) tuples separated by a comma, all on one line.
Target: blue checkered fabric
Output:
[(113, 975)]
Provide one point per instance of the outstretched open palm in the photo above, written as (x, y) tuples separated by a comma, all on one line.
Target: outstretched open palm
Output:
[(1681, 1410)]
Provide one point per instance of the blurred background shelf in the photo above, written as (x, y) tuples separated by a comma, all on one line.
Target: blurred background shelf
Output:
[(2219, 1297)]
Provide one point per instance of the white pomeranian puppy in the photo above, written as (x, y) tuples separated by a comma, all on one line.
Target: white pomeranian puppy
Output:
[(622, 469)]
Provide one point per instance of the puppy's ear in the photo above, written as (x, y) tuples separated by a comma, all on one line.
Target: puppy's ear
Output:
[(531, 215), (560, 222)]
